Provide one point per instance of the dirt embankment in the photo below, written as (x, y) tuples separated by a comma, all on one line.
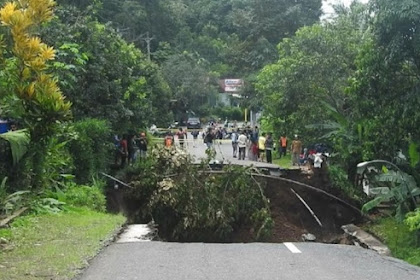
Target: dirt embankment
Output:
[(293, 219)]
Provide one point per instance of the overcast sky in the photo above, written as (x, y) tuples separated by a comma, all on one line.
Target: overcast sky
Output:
[(327, 4)]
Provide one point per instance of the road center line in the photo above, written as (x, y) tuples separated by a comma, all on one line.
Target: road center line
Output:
[(292, 248)]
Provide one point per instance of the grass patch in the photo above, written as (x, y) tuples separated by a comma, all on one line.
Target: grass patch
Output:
[(54, 246), (284, 162), (403, 243)]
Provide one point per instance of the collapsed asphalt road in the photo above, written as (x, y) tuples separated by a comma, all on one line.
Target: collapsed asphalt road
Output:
[(312, 261)]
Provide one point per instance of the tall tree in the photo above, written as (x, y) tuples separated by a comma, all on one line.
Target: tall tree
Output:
[(313, 70), (387, 83), (105, 77)]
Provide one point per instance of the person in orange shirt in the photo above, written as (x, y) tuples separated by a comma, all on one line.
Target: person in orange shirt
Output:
[(282, 145)]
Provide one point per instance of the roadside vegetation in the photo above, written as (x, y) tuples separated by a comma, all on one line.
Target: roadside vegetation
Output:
[(75, 73), (55, 246), (403, 242)]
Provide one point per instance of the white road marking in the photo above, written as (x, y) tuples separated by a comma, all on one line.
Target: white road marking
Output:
[(292, 248)]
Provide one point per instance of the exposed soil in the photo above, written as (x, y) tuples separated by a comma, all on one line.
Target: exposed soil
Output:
[(292, 219)]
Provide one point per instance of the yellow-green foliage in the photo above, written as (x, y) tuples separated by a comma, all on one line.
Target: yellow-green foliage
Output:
[(413, 220), (35, 87)]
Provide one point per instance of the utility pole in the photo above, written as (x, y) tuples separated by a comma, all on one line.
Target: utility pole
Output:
[(147, 39)]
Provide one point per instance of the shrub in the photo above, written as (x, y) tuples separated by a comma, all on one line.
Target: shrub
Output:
[(11, 202), (191, 204), (91, 149), (91, 197), (412, 220), (58, 162), (230, 113)]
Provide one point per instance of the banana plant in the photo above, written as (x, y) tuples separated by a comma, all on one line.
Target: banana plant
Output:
[(388, 183)]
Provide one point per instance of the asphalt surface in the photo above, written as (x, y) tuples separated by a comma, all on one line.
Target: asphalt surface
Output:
[(224, 152), (300, 261), (181, 261)]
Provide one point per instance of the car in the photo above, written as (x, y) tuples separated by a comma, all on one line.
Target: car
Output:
[(193, 123)]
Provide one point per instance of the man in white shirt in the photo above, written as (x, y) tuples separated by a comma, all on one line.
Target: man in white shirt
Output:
[(234, 138), (242, 145)]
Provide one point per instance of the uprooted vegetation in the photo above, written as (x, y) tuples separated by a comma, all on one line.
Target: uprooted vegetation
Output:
[(193, 202), (190, 203)]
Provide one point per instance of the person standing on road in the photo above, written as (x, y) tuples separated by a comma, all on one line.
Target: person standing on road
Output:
[(208, 138), (242, 141), (254, 135), (234, 143), (261, 147), (296, 150), (282, 145), (181, 137), (194, 134), (269, 147)]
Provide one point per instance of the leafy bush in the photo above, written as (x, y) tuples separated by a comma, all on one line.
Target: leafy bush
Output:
[(412, 220), (46, 205), (230, 113), (91, 197), (58, 164), (191, 203), (69, 198), (403, 243), (11, 202), (91, 149)]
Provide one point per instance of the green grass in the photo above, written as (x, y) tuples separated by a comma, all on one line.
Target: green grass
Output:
[(54, 246), (284, 162), (402, 243)]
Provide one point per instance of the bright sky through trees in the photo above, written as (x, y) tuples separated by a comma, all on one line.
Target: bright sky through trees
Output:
[(327, 4)]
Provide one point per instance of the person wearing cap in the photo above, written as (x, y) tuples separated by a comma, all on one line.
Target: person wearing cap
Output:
[(296, 150)]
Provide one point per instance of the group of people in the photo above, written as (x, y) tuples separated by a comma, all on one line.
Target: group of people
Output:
[(182, 135), (129, 148), (261, 147), (245, 142)]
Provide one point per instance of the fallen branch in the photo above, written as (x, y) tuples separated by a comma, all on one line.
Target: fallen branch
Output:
[(6, 221), (307, 207), (116, 180)]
